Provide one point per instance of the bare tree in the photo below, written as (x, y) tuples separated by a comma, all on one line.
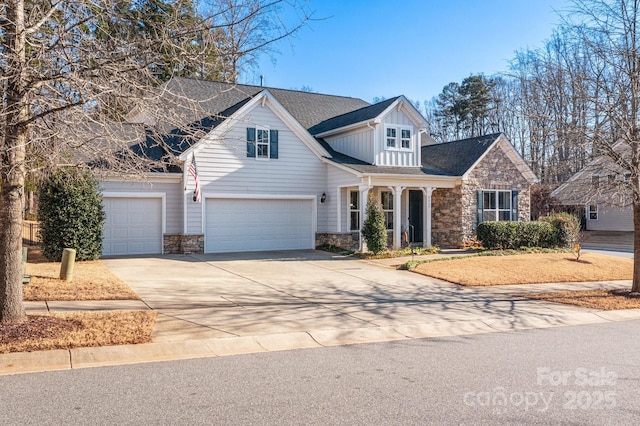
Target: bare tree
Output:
[(609, 33), (65, 75)]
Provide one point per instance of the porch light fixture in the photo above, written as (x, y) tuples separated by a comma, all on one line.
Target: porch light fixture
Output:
[(323, 198)]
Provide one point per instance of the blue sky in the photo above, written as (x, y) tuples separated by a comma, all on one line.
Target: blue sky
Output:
[(369, 48)]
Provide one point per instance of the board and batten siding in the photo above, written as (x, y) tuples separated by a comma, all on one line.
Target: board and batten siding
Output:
[(397, 157), (223, 166), (173, 198), (357, 144)]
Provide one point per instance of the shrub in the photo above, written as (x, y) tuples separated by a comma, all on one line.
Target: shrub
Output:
[(566, 226), (374, 230), (71, 215), (514, 235)]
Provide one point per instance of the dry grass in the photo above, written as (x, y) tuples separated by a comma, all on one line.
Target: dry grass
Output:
[(528, 269), (74, 330), (91, 281), (596, 299)]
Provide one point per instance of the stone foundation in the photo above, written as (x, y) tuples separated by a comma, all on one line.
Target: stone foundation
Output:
[(345, 240), (183, 244)]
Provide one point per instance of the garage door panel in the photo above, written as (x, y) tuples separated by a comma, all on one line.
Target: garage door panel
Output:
[(132, 226), (258, 225)]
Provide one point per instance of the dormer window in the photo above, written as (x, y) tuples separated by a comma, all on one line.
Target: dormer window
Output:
[(398, 137), (405, 141), (391, 137)]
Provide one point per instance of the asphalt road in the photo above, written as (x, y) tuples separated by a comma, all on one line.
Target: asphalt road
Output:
[(570, 375)]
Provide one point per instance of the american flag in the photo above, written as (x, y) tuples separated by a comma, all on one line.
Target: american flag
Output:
[(193, 171)]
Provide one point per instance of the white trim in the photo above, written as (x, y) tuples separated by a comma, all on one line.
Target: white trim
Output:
[(143, 177), (344, 128), (399, 128), (514, 156), (597, 212), (234, 196), (403, 103)]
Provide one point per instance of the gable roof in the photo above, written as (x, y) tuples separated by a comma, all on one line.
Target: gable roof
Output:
[(457, 157), (358, 116), (214, 97)]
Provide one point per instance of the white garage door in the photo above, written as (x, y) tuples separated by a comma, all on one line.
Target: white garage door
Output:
[(132, 226), (256, 225)]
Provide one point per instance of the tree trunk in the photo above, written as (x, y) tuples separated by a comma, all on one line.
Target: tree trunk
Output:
[(635, 287), (12, 171)]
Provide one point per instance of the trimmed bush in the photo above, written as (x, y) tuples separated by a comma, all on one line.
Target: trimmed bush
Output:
[(374, 230), (71, 215), (514, 235), (567, 228)]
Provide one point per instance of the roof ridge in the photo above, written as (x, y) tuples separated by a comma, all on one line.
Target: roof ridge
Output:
[(202, 80)]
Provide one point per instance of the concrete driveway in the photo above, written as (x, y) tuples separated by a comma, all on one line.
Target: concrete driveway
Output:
[(324, 296)]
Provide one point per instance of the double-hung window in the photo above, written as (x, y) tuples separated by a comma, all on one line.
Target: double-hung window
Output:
[(398, 137), (262, 143), (496, 205), (387, 208), (593, 212), (354, 210)]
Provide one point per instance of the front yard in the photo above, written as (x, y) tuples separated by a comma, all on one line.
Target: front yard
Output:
[(92, 281), (540, 268)]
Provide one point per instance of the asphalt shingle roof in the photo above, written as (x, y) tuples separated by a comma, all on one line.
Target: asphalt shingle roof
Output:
[(215, 97), (456, 157), (357, 116)]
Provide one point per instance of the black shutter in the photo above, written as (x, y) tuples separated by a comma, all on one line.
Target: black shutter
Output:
[(251, 142), (514, 205), (273, 144), (480, 206)]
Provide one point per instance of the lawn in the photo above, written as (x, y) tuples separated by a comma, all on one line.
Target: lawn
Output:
[(92, 281), (530, 268), (537, 268)]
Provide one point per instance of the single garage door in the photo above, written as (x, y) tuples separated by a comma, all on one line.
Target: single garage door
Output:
[(132, 226), (234, 225)]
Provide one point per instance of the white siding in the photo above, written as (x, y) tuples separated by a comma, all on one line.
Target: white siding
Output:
[(223, 166), (387, 157), (611, 218), (173, 193), (337, 179), (358, 144)]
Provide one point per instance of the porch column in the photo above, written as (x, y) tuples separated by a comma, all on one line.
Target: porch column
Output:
[(363, 190), (397, 216), (426, 230)]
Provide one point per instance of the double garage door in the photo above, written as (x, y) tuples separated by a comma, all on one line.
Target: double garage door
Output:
[(233, 225), (132, 226)]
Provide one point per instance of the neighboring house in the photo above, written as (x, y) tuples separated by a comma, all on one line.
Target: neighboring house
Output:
[(599, 193), (282, 169)]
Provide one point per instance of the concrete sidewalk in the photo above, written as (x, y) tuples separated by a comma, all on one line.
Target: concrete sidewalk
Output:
[(224, 305)]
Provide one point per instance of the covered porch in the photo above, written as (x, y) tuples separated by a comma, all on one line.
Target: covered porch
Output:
[(406, 203)]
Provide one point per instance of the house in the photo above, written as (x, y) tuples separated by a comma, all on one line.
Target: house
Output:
[(282, 169), (600, 194)]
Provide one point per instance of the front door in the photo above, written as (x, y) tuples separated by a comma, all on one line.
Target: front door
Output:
[(415, 216)]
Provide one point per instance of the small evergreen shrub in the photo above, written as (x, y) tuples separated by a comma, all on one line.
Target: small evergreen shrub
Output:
[(566, 226), (506, 235), (71, 215), (374, 230)]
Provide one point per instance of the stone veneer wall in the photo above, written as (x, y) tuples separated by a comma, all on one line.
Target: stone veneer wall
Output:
[(495, 171), (345, 240), (182, 244), (446, 219)]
